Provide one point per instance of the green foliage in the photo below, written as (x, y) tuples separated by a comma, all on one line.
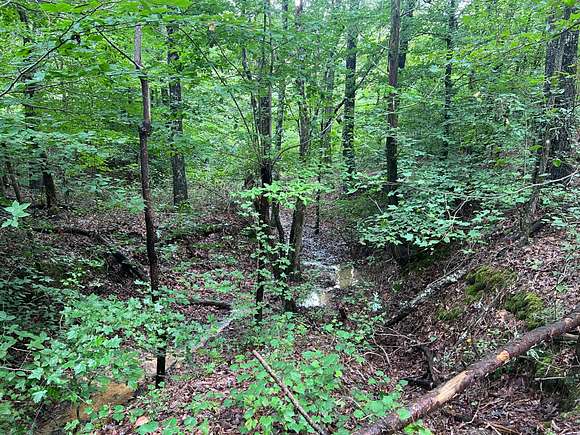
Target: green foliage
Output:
[(16, 210), (526, 306)]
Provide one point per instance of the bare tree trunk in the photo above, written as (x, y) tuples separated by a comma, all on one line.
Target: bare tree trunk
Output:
[(275, 219), (264, 128), (560, 70), (350, 94), (176, 109), (437, 398), (144, 132), (449, 40), (392, 118), (13, 179), (325, 131), (564, 101), (298, 217), (406, 32)]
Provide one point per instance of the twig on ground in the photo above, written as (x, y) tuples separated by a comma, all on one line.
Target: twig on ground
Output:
[(289, 394)]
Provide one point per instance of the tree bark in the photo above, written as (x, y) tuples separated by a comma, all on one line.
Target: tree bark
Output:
[(406, 32), (144, 132), (176, 110), (459, 383), (350, 93), (298, 216), (392, 118), (280, 115), (449, 42), (13, 179), (560, 70), (565, 101)]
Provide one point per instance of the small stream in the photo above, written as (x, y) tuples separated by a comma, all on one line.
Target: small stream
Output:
[(330, 278)]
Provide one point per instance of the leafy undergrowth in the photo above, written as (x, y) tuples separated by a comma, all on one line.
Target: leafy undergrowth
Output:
[(343, 366)]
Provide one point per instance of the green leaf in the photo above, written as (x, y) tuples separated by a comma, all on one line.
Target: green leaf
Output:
[(149, 427)]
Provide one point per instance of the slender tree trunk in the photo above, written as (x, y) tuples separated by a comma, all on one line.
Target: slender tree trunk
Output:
[(11, 175), (325, 131), (264, 129), (176, 109), (392, 118), (449, 40), (350, 94), (144, 133), (406, 32), (280, 115), (298, 217)]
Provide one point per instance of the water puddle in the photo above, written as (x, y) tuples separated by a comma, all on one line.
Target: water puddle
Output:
[(329, 278)]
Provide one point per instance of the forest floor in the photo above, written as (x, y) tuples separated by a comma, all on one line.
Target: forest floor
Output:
[(537, 393)]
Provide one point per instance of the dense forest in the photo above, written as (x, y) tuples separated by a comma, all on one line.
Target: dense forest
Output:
[(274, 216)]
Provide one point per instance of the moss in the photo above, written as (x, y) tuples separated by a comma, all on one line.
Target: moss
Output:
[(526, 306), (449, 315), (485, 279)]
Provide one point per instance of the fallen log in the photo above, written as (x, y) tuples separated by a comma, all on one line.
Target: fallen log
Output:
[(439, 396), (211, 303), (429, 291), (130, 265)]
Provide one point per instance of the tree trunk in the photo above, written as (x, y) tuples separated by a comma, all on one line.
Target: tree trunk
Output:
[(564, 102), (264, 129), (392, 118), (176, 110), (325, 132), (560, 70), (449, 40), (144, 132), (280, 115), (298, 217), (406, 32), (459, 383), (13, 179), (350, 94)]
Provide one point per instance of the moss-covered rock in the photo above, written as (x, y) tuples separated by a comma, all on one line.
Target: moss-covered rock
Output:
[(526, 306), (485, 279), (449, 315)]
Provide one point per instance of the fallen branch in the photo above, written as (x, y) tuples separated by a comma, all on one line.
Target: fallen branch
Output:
[(289, 394), (429, 291), (132, 266), (438, 397), (211, 303)]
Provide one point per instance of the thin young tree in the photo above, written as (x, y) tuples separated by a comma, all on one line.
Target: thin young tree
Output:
[(144, 133), (392, 102), (350, 91)]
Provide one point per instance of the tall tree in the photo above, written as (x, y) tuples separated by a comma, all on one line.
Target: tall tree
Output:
[(298, 216), (449, 40), (176, 110), (144, 133), (350, 91), (392, 103)]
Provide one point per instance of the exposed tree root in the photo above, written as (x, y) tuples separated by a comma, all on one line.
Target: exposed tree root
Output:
[(459, 383)]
